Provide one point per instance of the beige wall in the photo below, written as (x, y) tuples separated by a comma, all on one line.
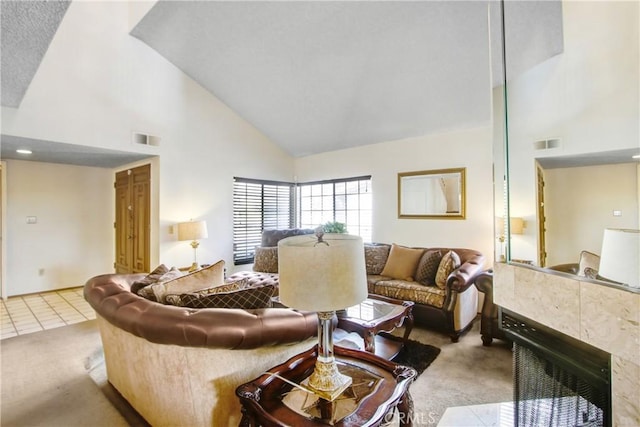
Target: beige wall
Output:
[(580, 203), (465, 148), (588, 96), (72, 239), (96, 86)]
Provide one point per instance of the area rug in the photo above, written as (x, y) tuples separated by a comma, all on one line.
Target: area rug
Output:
[(414, 354)]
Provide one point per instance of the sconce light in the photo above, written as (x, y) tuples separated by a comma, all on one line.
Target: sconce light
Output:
[(323, 274), (193, 230), (620, 256)]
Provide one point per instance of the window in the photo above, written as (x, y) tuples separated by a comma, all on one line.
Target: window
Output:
[(343, 200), (258, 205)]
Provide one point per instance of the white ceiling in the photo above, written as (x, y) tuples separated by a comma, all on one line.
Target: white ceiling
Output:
[(320, 76), (317, 76)]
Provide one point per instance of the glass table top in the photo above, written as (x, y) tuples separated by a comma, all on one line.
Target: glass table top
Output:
[(371, 309)]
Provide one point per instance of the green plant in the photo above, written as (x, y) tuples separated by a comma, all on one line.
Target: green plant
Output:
[(334, 227)]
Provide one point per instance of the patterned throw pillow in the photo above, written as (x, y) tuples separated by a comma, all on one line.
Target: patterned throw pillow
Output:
[(402, 262), (449, 262), (148, 291), (208, 277), (428, 267), (375, 257), (266, 260), (150, 278), (249, 298)]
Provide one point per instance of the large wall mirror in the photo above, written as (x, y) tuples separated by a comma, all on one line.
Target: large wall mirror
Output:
[(572, 110), (432, 194)]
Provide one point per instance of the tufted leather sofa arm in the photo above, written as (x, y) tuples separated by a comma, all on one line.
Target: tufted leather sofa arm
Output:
[(111, 298)]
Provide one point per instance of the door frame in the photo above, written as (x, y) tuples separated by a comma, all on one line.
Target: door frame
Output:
[(3, 229)]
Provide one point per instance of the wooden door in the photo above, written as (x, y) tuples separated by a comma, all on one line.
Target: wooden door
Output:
[(132, 226), (542, 219)]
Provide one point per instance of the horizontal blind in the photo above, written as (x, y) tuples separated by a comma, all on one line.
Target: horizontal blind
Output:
[(258, 205)]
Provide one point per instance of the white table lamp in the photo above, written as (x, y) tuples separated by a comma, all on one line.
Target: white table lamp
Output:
[(324, 273), (193, 230), (620, 256)]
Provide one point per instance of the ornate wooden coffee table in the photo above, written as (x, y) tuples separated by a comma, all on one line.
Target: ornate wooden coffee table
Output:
[(378, 314), (379, 388)]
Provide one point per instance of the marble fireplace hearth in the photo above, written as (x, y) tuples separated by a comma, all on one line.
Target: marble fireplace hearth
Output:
[(605, 317)]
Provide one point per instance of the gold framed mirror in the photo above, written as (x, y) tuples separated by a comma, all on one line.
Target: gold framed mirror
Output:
[(432, 194)]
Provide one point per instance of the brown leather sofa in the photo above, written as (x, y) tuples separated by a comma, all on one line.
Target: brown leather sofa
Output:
[(180, 366), (451, 310)]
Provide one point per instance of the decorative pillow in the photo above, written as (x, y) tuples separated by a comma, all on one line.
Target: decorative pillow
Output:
[(588, 260), (375, 257), (249, 298), (428, 267), (266, 260), (449, 262), (148, 291), (402, 262), (208, 277), (150, 278)]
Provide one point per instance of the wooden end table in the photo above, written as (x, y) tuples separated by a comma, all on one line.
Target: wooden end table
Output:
[(379, 388), (378, 314)]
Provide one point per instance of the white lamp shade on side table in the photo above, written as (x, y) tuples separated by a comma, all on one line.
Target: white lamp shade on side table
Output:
[(620, 256)]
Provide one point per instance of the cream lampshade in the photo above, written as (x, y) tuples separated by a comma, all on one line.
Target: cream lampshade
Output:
[(193, 230), (323, 273), (620, 256)]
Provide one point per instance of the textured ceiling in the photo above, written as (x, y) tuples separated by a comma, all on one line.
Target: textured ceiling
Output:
[(321, 76), (317, 76), (27, 30), (55, 152)]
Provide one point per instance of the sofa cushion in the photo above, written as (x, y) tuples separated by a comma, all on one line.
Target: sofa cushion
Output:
[(449, 262), (411, 291), (266, 259), (402, 262), (150, 278), (428, 267), (256, 278), (248, 298), (208, 277), (372, 279), (375, 257), (148, 291)]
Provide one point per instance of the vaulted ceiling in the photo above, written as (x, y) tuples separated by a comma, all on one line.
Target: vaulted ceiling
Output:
[(317, 76)]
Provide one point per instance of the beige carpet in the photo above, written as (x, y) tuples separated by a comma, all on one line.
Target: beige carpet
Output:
[(57, 378)]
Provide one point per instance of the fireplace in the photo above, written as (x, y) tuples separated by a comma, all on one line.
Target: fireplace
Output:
[(558, 380)]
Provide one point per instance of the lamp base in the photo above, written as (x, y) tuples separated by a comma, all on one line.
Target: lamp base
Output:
[(326, 381), (193, 267)]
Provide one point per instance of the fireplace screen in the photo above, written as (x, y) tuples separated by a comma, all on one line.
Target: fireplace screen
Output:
[(558, 381)]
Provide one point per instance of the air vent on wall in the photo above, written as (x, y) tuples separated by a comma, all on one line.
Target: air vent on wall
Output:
[(144, 139), (546, 144)]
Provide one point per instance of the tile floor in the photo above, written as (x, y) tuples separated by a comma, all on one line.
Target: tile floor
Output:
[(491, 414), (36, 312)]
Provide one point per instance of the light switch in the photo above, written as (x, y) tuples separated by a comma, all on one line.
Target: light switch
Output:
[(32, 219), (617, 213)]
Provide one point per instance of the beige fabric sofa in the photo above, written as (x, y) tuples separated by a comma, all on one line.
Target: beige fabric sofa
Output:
[(180, 366)]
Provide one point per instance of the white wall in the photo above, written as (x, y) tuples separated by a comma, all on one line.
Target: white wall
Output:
[(579, 204), (588, 96), (66, 245), (96, 85), (467, 148)]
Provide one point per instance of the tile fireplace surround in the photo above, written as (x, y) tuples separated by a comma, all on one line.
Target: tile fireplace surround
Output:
[(605, 317)]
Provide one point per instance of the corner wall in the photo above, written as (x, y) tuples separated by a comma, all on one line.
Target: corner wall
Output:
[(470, 148)]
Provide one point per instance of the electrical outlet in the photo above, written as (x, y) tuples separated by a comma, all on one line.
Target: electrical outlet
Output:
[(32, 219), (617, 213)]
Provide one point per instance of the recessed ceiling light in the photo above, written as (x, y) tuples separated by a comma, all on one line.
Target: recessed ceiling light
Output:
[(23, 151)]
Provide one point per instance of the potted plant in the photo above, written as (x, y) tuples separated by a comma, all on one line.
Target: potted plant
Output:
[(334, 227)]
